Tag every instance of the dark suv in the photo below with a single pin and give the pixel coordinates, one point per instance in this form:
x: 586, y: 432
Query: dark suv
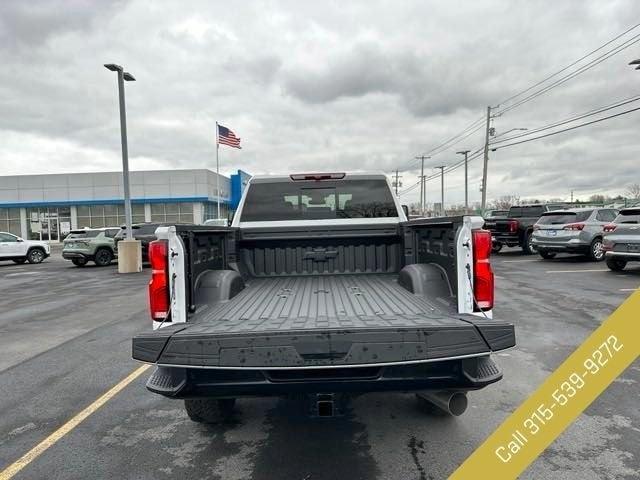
x: 145, y: 232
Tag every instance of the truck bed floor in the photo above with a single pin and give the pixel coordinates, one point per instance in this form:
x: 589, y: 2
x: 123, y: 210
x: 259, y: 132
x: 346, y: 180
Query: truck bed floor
x: 323, y: 302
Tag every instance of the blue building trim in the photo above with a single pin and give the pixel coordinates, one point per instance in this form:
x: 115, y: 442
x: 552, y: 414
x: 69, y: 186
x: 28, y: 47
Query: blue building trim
x: 238, y: 183
x: 108, y: 201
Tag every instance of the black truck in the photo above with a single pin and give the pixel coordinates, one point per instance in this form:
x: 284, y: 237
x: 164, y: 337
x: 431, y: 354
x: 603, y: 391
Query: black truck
x: 515, y: 230
x: 321, y: 289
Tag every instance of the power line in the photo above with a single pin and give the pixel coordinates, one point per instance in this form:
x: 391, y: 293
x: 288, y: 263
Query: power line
x: 573, y: 118
x: 626, y: 44
x: 569, y: 66
x: 567, y: 129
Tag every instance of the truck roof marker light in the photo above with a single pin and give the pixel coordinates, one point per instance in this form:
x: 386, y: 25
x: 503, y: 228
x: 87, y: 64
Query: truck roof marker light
x: 483, y: 281
x: 296, y: 177
x: 159, y: 283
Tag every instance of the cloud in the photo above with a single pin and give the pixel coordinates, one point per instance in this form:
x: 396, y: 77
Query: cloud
x: 362, y: 85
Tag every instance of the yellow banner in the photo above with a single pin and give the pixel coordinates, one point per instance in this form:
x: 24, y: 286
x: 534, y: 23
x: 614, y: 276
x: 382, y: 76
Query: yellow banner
x: 563, y: 396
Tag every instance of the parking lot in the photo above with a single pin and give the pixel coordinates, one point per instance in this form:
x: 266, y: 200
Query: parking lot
x: 65, y: 340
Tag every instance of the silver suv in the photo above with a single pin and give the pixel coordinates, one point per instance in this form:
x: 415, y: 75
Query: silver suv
x: 577, y: 230
x: 622, y: 239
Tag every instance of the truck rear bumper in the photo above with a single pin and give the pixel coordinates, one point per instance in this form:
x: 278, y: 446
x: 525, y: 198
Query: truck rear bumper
x: 462, y: 374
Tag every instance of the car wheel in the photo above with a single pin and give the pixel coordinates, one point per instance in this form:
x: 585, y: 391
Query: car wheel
x: 35, y: 255
x: 209, y: 410
x: 528, y: 247
x: 19, y: 261
x: 496, y: 247
x: 546, y: 255
x: 79, y: 262
x: 103, y: 257
x: 596, y: 251
x: 616, y: 265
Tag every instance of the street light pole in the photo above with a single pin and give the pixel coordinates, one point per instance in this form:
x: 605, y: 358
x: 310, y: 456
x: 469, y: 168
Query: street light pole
x: 129, y: 253
x: 486, y: 160
x: 466, y: 179
x: 122, y: 76
x: 441, y: 167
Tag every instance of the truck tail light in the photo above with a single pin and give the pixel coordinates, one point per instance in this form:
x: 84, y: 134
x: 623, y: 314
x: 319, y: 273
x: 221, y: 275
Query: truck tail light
x: 574, y: 226
x: 483, y: 283
x: 610, y: 227
x: 513, y: 226
x: 159, y: 283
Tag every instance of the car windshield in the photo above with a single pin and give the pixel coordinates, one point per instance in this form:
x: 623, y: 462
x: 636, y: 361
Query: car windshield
x: 318, y: 200
x: 563, y: 218
x: 84, y: 234
x: 628, y: 216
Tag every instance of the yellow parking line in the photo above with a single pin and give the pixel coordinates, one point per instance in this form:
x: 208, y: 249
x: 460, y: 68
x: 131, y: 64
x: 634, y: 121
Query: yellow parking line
x: 39, y: 449
x: 575, y: 271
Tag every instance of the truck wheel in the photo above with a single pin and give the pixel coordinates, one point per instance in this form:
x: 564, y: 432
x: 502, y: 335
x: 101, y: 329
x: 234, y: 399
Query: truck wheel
x: 546, y: 255
x: 616, y: 265
x: 209, y: 410
x: 79, y: 262
x: 496, y: 247
x: 527, y: 245
x: 19, y: 261
x: 596, y: 252
x: 103, y: 257
x: 35, y: 255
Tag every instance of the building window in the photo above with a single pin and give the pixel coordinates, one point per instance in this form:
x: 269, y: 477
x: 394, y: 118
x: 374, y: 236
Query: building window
x: 211, y: 210
x: 109, y: 215
x: 10, y: 220
x: 172, y: 212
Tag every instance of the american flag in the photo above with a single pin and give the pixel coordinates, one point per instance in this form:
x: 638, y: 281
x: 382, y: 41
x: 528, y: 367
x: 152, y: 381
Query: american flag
x: 227, y: 137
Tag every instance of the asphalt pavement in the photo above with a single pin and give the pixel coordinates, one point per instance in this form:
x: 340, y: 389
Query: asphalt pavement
x: 65, y: 340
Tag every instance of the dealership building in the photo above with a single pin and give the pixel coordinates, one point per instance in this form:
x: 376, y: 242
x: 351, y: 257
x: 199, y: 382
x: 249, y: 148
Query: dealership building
x: 48, y: 206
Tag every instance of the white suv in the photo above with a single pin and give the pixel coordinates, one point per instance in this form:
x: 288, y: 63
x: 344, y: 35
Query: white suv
x: 20, y: 250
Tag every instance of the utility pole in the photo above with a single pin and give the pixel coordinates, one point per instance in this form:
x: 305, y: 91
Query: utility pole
x: 571, y: 196
x: 396, y: 183
x: 486, y: 160
x: 423, y: 190
x: 441, y: 167
x: 466, y: 179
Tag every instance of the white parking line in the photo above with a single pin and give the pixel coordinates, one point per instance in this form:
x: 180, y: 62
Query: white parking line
x: 21, y: 273
x: 628, y: 289
x: 575, y: 271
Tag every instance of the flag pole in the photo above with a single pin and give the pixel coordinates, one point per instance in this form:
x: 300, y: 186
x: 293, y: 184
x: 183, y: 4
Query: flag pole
x: 217, y: 169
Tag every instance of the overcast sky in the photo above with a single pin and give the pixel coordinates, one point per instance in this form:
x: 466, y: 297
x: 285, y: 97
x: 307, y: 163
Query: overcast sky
x: 308, y: 86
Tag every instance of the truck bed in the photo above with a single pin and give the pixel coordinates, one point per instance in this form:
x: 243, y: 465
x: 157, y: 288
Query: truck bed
x: 320, y: 321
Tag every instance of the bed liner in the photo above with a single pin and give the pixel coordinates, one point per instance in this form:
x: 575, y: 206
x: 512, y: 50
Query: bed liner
x: 323, y: 320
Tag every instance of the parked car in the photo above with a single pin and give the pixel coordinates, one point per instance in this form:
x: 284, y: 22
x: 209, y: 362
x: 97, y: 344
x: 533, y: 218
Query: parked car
x: 577, y: 230
x: 13, y: 247
x: 145, y: 232
x: 95, y: 245
x: 516, y: 229
x: 622, y: 239
x: 321, y: 289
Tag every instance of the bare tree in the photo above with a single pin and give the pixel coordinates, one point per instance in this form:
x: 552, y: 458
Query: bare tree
x: 506, y: 201
x: 633, y: 190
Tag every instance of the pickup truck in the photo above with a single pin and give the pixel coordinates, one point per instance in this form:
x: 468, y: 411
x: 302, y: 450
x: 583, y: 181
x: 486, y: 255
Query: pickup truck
x: 517, y: 228
x: 321, y: 289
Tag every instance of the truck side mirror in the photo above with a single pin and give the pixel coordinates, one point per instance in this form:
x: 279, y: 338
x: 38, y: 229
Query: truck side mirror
x: 405, y: 209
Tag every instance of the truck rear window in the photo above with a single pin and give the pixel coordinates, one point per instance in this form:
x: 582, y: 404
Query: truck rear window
x: 563, y: 218
x: 534, y: 211
x: 318, y: 200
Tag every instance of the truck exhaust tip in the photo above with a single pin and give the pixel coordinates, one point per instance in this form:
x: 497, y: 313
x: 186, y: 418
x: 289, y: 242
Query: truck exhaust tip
x: 453, y: 403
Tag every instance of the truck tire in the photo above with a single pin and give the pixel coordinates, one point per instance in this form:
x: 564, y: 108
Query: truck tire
x: 496, y: 247
x: 616, y: 265
x: 79, y: 262
x: 546, y: 255
x: 35, y: 255
x: 103, y: 257
x: 19, y: 261
x: 596, y: 252
x: 209, y: 410
x: 527, y: 246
